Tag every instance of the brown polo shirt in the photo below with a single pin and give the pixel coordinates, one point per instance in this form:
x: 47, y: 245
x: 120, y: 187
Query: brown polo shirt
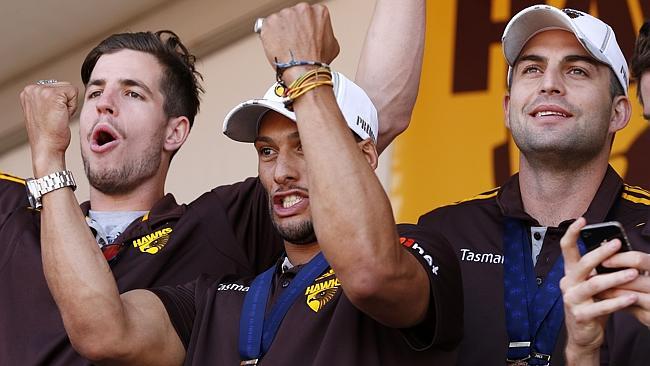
x: 218, y: 233
x: 331, y: 331
x: 474, y: 228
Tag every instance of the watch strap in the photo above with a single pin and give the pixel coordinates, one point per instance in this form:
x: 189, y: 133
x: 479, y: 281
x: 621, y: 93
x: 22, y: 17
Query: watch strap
x: 36, y: 188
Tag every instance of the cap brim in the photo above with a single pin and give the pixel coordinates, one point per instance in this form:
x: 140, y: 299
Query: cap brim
x: 242, y: 122
x: 528, y: 23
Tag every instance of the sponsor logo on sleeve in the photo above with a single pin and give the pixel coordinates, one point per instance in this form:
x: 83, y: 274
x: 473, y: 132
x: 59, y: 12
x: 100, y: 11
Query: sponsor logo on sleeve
x: 322, y: 291
x: 417, y: 248
x: 154, y: 242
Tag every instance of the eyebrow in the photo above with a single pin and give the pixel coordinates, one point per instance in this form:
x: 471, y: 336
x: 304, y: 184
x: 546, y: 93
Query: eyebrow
x: 123, y: 82
x: 569, y: 58
x: 293, y: 136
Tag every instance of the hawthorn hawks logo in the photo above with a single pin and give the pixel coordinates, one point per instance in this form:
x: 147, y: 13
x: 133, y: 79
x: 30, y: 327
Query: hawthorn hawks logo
x: 154, y: 242
x: 322, y: 291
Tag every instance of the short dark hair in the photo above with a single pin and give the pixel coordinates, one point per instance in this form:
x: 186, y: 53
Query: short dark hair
x: 641, y: 55
x: 179, y: 82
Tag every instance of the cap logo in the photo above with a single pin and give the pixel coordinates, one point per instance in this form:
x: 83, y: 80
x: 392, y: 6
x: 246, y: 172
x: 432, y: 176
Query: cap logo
x: 573, y: 13
x: 366, y: 127
x: 279, y: 90
x: 624, y: 74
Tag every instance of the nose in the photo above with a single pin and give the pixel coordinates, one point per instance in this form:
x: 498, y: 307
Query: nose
x: 552, y: 83
x: 106, y: 103
x: 287, y: 168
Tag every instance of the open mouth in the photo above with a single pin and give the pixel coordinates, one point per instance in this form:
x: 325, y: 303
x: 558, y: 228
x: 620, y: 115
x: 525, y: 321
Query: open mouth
x: 103, y: 138
x: 290, y: 202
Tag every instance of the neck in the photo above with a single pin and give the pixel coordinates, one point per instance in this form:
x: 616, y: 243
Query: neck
x: 553, y: 194
x: 301, y: 253
x: 142, y: 198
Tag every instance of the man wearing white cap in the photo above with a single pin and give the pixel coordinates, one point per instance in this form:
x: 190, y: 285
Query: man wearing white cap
x: 349, y: 290
x: 567, y: 97
x: 592, y: 302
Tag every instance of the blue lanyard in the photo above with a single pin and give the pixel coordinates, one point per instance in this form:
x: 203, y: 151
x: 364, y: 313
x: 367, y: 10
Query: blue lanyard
x: 534, y: 314
x: 256, y: 330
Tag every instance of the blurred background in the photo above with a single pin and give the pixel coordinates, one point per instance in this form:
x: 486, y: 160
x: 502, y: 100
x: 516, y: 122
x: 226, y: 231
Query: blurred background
x: 455, y: 147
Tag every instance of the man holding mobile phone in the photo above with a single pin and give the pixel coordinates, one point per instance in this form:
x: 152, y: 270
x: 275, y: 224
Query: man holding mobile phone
x: 567, y: 98
x: 592, y: 302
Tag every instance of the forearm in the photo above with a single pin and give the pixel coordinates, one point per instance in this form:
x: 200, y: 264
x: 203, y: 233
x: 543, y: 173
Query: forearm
x: 353, y: 218
x: 77, y: 273
x: 391, y: 63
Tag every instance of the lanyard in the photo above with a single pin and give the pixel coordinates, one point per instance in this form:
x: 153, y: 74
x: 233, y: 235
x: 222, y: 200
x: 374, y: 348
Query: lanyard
x: 534, y: 314
x: 256, y: 330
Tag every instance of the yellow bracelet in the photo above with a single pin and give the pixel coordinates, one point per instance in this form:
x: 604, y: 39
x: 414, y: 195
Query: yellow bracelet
x: 307, y: 82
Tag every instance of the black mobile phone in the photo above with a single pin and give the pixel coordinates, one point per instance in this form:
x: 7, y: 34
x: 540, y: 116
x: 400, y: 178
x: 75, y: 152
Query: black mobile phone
x: 597, y: 234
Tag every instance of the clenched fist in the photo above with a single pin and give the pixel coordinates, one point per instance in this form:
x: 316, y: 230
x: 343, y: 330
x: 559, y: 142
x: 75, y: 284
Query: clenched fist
x: 48, y: 109
x: 304, y: 31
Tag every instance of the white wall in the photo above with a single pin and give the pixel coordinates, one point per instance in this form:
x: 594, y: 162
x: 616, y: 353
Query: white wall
x: 232, y: 75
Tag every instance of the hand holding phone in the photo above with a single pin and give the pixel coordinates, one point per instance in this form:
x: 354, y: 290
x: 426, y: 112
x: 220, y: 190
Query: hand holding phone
x: 597, y: 234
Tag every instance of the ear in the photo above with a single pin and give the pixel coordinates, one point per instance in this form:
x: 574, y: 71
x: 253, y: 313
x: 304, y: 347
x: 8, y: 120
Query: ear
x: 178, y: 128
x: 621, y: 112
x: 506, y: 110
x: 369, y: 150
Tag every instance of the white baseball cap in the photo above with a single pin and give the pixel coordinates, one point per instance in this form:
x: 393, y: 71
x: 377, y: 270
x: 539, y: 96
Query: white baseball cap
x: 242, y: 122
x: 596, y: 36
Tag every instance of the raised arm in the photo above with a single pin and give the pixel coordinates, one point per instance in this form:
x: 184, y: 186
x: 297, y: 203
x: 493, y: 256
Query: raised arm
x: 352, y: 216
x: 391, y: 63
x: 102, y: 326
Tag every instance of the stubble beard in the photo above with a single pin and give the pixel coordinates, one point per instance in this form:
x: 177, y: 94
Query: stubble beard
x: 128, y: 176
x: 573, y: 149
x: 300, y: 233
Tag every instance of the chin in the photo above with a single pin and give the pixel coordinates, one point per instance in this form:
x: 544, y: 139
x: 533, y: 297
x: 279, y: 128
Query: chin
x: 297, y: 232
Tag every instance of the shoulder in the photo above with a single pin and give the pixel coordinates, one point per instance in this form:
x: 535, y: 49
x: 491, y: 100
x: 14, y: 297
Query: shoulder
x: 635, y: 195
x: 12, y: 192
x: 10, y: 183
x: 242, y: 188
x: 484, y: 203
x: 632, y: 205
x: 11, y: 179
x: 233, y: 196
x: 429, y: 246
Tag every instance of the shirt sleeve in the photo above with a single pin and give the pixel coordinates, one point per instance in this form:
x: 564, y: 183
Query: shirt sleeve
x: 443, y: 325
x: 180, y: 303
x: 246, y: 205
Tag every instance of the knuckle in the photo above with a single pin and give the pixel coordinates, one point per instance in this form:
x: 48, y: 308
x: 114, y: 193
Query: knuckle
x: 580, y: 315
x: 637, y: 259
x: 564, y: 284
x: 591, y: 287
